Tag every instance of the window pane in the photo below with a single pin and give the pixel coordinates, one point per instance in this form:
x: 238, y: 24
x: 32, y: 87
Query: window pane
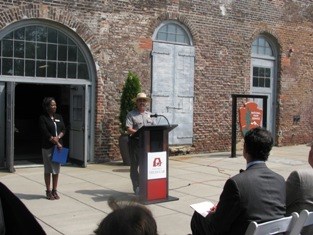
x: 31, y: 33
x: 7, y: 66
x: 82, y: 71
x: 171, y: 38
x: 7, y: 48
x: 19, y: 34
x: 255, y: 81
x: 8, y: 36
x: 30, y: 68
x: 52, y: 52
x: 181, y: 38
x: 19, y: 67
x: 261, y: 82
x: 261, y: 42
x: 62, y: 53
x: 62, y: 38
x: 70, y: 42
x: 71, y: 70
x: 80, y: 57
x: 268, y: 72
x: 51, y: 69
x: 41, y: 69
x: 52, y: 35
x: 42, y: 34
x: 255, y: 71
x: 171, y: 28
x: 72, y: 53
x: 41, y: 51
x: 161, y: 36
x: 30, y: 50
x: 163, y: 29
x: 62, y: 70
x: 19, y: 49
x: 268, y: 51
x: 261, y: 72
x: 267, y: 82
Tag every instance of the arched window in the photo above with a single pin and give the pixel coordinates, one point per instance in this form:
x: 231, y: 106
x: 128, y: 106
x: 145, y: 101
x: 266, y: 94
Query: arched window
x: 172, y: 32
x: 261, y: 46
x: 41, y: 51
x: 262, y: 75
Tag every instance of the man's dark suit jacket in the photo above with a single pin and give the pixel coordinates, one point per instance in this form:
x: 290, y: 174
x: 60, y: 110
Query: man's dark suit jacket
x: 257, y: 194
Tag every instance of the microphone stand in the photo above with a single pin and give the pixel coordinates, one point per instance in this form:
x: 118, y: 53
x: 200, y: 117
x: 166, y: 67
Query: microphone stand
x: 159, y: 115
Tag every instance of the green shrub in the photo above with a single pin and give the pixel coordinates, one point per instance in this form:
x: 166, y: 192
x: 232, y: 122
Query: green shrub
x: 131, y: 88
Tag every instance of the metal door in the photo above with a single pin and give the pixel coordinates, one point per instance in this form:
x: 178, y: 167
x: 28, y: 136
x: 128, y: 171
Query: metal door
x: 77, y: 124
x: 173, y: 88
x: 262, y: 83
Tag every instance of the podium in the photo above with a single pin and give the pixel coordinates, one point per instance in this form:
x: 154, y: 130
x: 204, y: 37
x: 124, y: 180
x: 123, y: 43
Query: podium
x: 153, y: 163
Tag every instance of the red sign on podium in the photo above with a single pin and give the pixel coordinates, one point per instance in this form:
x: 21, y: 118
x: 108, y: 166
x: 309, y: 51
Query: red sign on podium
x: 250, y: 116
x: 157, y: 175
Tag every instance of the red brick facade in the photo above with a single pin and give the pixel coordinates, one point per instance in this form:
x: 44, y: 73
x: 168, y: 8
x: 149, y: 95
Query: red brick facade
x: 119, y: 36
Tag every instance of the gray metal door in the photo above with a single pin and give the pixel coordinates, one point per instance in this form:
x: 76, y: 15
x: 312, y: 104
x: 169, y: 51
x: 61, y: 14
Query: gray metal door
x: 77, y: 124
x: 173, y: 88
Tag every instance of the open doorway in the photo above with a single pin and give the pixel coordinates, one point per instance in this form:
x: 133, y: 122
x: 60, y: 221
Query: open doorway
x: 28, y: 99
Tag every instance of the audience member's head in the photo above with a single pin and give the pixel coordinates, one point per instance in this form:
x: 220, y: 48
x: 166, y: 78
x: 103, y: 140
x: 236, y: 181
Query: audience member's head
x: 310, y: 158
x: 129, y: 219
x: 258, y: 144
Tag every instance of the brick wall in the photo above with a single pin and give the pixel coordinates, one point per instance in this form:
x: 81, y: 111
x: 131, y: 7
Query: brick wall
x: 119, y: 34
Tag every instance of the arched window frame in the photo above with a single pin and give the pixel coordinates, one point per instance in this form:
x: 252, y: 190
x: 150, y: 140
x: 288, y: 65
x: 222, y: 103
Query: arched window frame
x: 58, y: 27
x: 272, y: 46
x: 167, y: 22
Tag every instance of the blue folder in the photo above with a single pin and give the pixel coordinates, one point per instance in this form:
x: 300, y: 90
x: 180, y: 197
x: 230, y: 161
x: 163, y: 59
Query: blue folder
x: 60, y: 155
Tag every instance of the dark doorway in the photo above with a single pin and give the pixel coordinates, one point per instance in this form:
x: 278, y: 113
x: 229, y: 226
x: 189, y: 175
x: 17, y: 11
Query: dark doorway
x: 28, y: 108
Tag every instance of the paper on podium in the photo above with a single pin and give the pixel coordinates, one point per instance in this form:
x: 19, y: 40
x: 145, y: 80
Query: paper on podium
x: 203, y: 208
x: 60, y: 155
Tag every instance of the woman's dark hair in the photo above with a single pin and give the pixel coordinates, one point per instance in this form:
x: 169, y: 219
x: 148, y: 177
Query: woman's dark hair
x: 46, y: 103
x: 258, y: 143
x: 129, y: 219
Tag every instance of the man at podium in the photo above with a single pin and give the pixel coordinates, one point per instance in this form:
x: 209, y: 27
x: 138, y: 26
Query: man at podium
x: 136, y: 119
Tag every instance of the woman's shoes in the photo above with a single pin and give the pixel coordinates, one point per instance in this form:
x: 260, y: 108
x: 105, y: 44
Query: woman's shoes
x: 55, y: 194
x: 49, y: 195
x: 52, y: 195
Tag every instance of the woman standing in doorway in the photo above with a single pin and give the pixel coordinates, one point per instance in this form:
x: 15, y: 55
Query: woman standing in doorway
x: 52, y: 130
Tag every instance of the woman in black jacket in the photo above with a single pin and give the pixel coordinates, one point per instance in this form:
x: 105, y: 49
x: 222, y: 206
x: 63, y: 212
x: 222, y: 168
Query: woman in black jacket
x: 52, y: 130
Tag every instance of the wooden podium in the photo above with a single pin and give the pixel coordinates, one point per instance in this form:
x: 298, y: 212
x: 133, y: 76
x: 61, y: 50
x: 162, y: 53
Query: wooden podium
x: 153, y: 163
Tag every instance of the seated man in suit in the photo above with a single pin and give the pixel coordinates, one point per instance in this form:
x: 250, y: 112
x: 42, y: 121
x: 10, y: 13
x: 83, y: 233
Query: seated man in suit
x: 299, y: 191
x: 257, y: 194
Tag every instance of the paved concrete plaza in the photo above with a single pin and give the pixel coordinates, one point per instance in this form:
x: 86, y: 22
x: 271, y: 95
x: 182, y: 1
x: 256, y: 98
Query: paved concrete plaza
x: 84, y: 191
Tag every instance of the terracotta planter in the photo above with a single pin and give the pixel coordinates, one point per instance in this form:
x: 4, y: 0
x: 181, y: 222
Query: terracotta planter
x: 124, y: 150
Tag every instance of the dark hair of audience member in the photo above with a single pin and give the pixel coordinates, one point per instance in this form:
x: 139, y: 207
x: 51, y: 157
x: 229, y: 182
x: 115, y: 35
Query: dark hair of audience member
x: 258, y: 143
x: 127, y: 219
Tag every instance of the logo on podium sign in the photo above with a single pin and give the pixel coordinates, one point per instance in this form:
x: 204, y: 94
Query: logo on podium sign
x: 250, y: 116
x: 157, y: 163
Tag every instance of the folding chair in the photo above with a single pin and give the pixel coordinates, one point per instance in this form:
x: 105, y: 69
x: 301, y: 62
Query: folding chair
x: 305, y: 219
x: 282, y: 225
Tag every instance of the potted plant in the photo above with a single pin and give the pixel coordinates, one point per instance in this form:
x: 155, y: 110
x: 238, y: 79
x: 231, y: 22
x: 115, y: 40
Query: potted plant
x: 130, y: 90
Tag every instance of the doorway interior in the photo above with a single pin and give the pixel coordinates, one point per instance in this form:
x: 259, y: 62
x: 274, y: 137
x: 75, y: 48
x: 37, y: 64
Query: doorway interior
x: 28, y: 108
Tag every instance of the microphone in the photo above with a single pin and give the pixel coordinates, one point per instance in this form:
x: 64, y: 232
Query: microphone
x: 159, y: 115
